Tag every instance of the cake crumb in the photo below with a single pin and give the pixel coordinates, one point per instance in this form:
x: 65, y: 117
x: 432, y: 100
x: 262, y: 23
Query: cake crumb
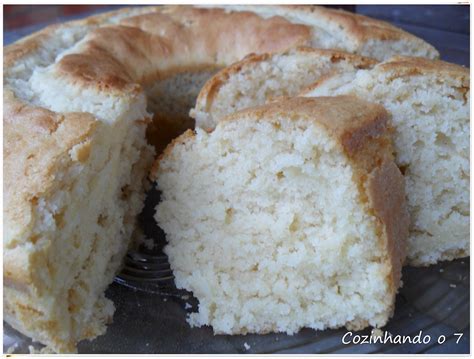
x: 441, y: 270
x: 187, y: 306
x: 246, y: 346
x: 452, y: 285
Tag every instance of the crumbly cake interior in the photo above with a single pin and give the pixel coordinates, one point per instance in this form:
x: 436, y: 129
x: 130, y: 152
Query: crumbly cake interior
x: 267, y: 228
x: 432, y: 152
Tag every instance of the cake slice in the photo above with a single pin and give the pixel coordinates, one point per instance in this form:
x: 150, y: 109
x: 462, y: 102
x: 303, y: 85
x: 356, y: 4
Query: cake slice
x: 286, y: 216
x: 260, y: 78
x: 429, y: 102
x: 75, y: 166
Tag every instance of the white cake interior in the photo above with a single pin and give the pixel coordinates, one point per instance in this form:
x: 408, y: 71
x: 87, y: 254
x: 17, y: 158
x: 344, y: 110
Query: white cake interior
x: 267, y: 228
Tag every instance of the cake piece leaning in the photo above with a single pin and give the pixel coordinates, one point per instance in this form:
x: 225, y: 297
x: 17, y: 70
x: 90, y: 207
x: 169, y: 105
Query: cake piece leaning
x: 429, y: 103
x: 286, y: 216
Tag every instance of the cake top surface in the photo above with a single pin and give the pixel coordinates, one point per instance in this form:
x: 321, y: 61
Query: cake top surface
x: 348, y: 118
x: 357, y: 31
x: 413, y: 66
x: 406, y: 66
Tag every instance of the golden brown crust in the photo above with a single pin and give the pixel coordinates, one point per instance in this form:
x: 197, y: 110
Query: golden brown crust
x: 355, y: 33
x: 386, y: 192
x: 350, y: 120
x: 180, y: 38
x: 401, y: 66
x: 31, y: 43
x: 24, y: 47
x: 406, y: 66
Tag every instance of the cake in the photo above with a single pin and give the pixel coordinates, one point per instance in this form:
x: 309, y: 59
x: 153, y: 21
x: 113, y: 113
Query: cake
x: 286, y: 216
x: 73, y: 185
x: 258, y: 79
x: 429, y: 102
x: 78, y: 99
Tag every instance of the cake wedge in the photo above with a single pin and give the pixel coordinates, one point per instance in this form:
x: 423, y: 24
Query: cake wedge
x: 286, y: 216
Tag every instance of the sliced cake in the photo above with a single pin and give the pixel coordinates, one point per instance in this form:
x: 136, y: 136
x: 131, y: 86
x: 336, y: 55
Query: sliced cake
x: 286, y: 216
x: 429, y: 102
